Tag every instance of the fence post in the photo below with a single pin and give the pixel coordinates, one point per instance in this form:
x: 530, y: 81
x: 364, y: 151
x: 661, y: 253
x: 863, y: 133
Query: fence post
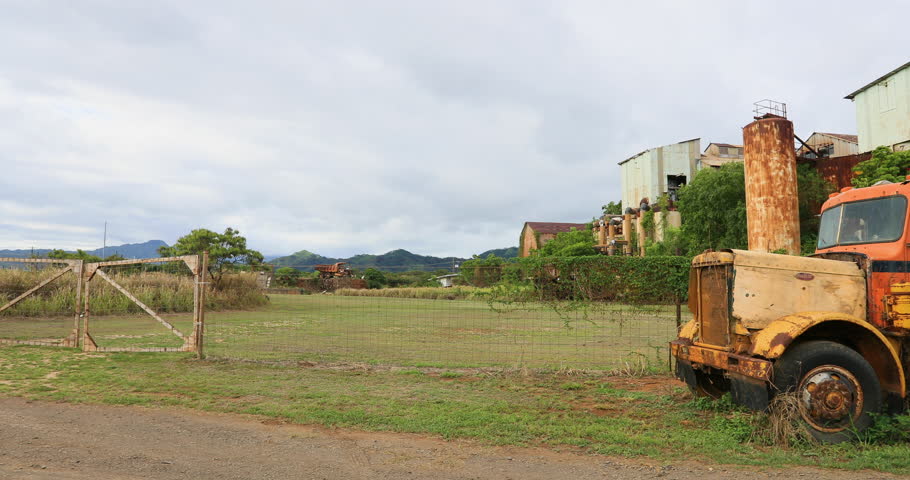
x: 201, y: 317
x: 678, y: 313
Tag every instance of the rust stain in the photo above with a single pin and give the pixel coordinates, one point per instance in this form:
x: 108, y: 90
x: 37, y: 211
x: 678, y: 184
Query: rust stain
x: 772, y: 206
x: 782, y: 339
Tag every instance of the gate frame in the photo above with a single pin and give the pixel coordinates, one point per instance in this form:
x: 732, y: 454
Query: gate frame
x: 75, y: 266
x: 191, y: 343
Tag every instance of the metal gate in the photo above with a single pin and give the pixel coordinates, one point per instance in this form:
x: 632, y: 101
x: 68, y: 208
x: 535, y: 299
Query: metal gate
x: 192, y: 342
x: 70, y: 266
x: 80, y: 294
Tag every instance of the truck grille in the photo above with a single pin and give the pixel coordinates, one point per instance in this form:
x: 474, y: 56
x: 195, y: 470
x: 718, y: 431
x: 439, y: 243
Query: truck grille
x: 714, y: 311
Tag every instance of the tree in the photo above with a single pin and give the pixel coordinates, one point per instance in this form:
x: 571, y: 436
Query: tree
x: 713, y: 208
x: 374, y: 278
x: 227, y: 250
x: 884, y: 165
x: 81, y: 255
x: 612, y: 208
x: 287, y: 276
x: 574, y: 243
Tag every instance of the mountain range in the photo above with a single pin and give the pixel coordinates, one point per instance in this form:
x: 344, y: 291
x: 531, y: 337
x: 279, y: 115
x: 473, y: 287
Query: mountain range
x: 394, y: 261
x: 147, y: 249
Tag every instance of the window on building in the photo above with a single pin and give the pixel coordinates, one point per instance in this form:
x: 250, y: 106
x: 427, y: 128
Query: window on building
x: 674, y: 183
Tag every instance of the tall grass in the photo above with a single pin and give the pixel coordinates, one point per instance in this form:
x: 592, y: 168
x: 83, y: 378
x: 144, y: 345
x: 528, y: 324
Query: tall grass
x: 425, y: 293
x: 163, y: 292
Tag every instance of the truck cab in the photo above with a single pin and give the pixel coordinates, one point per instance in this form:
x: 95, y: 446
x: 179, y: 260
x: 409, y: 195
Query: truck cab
x: 829, y: 329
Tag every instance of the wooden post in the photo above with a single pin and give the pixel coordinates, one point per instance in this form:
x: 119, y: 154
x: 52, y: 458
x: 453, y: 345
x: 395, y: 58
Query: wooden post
x: 77, y: 271
x: 200, y: 332
x: 602, y: 234
x: 611, y: 237
x: 627, y: 234
x: 642, y: 236
x: 88, y: 343
x: 678, y: 314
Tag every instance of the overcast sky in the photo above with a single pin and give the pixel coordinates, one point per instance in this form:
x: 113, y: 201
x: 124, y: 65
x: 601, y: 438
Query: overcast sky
x: 360, y: 127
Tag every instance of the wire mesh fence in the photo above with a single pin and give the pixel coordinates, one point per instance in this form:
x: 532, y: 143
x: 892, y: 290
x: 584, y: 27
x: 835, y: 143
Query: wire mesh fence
x: 528, y: 323
x: 462, y: 326
x: 101, y: 306
x: 38, y: 302
x: 139, y: 305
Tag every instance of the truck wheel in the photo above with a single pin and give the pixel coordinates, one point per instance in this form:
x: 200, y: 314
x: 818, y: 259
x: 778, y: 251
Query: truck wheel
x: 712, y: 385
x: 836, y: 388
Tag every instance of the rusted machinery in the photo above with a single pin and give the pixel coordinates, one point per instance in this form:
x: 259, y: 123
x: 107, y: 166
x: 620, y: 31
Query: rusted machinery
x: 832, y: 330
x: 334, y: 270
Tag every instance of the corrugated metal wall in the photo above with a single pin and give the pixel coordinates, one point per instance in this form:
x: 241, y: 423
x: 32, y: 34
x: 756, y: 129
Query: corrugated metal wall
x: 837, y: 170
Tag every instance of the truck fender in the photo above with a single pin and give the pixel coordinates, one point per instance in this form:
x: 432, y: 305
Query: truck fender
x: 881, y: 353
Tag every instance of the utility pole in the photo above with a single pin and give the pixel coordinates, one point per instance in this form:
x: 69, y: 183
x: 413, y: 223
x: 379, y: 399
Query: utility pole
x: 104, y: 245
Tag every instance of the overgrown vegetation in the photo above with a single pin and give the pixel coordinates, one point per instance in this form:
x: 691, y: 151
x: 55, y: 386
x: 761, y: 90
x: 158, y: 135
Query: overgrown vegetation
x: 647, y: 280
x: 163, y: 292
x: 884, y: 165
x: 713, y: 210
x: 569, y: 244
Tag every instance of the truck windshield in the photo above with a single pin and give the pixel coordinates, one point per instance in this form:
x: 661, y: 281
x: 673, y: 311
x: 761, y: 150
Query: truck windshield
x: 867, y: 221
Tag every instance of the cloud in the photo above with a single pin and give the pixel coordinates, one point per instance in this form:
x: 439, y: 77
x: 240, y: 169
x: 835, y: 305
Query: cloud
x: 350, y: 127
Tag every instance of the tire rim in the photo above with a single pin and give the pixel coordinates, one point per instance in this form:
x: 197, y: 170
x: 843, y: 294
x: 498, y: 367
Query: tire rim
x: 831, y: 398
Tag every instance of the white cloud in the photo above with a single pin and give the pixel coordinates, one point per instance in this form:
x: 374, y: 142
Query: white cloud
x: 350, y: 127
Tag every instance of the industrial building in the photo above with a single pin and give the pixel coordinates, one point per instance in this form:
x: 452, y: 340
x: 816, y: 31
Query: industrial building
x: 829, y: 145
x: 883, y: 111
x: 717, y: 154
x: 658, y: 171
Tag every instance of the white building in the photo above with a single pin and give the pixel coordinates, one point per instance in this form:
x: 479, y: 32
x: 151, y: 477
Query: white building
x: 883, y: 111
x: 446, y: 281
x: 658, y: 171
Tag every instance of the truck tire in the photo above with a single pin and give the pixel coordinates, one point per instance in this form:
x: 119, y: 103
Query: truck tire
x: 711, y: 385
x: 836, y: 388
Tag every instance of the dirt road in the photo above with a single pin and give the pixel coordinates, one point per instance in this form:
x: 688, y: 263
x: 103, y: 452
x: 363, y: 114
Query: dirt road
x: 61, y: 441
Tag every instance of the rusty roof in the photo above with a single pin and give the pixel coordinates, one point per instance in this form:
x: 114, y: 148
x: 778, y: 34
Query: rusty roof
x: 876, y: 81
x: 554, y: 227
x: 842, y: 136
x: 722, y: 145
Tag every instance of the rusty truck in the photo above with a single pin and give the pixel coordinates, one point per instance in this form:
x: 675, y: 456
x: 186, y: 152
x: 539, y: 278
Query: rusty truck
x: 830, y: 330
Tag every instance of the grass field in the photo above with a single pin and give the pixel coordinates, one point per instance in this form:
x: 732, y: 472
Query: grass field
x: 630, y: 416
x: 400, y: 331
x: 456, y: 333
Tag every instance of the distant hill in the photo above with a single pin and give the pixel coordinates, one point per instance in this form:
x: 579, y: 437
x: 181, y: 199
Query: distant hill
x: 394, y: 261
x: 510, y: 252
x: 148, y: 249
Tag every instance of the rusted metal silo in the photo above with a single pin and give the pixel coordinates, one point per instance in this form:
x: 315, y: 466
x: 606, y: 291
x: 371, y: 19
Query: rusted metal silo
x: 772, y: 206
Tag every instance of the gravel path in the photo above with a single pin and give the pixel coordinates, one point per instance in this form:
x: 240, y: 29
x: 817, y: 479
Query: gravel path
x: 63, y: 441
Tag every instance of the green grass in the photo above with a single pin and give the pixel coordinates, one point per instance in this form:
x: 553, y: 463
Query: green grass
x: 444, y: 333
x: 398, y: 331
x: 600, y: 414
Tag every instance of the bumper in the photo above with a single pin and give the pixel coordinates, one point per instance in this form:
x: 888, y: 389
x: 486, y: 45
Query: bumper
x: 749, y: 377
x: 729, y: 362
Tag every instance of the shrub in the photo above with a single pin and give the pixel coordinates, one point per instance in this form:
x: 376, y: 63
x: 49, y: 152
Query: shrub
x: 628, y: 279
